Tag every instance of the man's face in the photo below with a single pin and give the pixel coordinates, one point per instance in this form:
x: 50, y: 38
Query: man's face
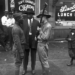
x: 72, y: 33
x: 43, y: 19
x: 10, y: 16
x: 30, y: 16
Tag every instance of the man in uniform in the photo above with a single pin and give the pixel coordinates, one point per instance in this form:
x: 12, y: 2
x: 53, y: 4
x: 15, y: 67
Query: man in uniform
x: 18, y: 43
x: 43, y: 39
x: 71, y: 45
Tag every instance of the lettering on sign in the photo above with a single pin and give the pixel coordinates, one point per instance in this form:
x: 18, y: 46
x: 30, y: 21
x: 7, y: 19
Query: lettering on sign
x: 31, y: 2
x: 25, y: 7
x: 22, y: 1
x: 65, y: 8
x: 65, y: 14
x: 12, y: 4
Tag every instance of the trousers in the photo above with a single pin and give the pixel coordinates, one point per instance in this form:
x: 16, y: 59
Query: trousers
x: 43, y: 55
x: 26, y: 58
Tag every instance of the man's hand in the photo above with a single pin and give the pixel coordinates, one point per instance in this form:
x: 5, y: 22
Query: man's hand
x: 38, y: 28
x: 35, y: 38
x: 69, y: 39
x: 39, y: 37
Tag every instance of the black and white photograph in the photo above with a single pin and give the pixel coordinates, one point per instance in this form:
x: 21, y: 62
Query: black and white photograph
x: 37, y: 37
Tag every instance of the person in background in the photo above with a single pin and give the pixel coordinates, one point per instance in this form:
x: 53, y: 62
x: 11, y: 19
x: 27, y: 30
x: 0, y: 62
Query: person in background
x: 18, y: 43
x: 10, y: 22
x: 7, y: 20
x: 29, y: 27
x: 5, y: 29
x: 71, y: 45
x: 2, y: 36
x: 4, y: 18
x: 43, y: 40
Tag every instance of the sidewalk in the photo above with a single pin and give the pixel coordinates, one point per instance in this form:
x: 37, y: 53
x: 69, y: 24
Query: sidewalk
x: 58, y: 60
x: 9, y: 69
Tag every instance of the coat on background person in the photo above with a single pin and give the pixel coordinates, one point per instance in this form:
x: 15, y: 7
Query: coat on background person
x: 71, y: 45
x: 4, y: 27
x: 7, y: 20
x: 10, y: 22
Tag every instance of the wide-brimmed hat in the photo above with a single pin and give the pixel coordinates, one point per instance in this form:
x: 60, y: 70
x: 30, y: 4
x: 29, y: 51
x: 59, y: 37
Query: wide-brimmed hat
x: 45, y: 14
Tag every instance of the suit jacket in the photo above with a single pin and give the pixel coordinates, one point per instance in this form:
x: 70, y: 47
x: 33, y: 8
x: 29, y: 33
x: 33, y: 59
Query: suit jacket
x: 45, y: 32
x: 19, y: 40
x: 25, y: 28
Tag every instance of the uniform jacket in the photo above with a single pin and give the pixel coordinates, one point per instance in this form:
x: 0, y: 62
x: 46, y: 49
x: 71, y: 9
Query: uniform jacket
x: 45, y: 32
x: 18, y: 39
x: 25, y: 28
x: 71, y: 43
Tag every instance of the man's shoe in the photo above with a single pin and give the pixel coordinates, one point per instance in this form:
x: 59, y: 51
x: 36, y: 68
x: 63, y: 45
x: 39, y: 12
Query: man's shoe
x: 43, y: 73
x: 69, y: 64
x: 33, y: 72
x: 24, y: 72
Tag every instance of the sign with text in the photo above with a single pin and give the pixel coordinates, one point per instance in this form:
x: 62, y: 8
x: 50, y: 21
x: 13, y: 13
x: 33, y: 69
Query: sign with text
x: 12, y: 3
x: 23, y: 5
x: 65, y: 12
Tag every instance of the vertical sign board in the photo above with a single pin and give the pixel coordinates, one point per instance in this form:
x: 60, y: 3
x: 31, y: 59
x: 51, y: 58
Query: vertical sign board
x: 65, y: 13
x: 22, y: 6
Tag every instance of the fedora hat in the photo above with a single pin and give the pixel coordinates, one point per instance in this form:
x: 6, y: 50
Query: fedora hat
x: 45, y: 14
x: 29, y: 11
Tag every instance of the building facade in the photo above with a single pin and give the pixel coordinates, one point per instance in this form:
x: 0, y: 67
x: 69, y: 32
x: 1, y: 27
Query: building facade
x: 39, y: 4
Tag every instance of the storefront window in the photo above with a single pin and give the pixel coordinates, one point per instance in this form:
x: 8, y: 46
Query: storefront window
x: 65, y: 14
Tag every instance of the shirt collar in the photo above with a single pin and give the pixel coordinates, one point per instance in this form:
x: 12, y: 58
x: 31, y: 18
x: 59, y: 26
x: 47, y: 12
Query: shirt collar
x: 31, y: 20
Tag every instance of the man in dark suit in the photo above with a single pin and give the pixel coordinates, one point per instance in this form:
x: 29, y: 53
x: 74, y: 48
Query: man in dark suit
x: 30, y: 26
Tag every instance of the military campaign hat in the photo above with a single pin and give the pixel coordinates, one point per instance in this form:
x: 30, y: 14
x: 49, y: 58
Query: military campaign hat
x: 45, y: 14
x: 17, y: 16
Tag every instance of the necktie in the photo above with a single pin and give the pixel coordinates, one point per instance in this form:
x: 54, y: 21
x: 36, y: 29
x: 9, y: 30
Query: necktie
x: 30, y: 33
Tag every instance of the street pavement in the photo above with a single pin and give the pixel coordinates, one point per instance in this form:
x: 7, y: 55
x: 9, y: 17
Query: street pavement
x: 58, y: 60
